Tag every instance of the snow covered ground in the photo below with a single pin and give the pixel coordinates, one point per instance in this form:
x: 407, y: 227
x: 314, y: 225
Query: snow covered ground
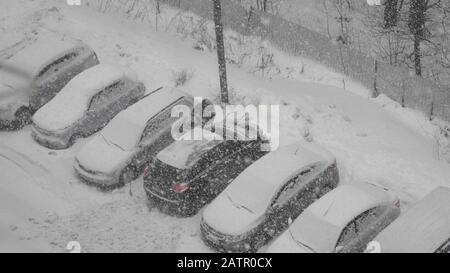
x: 43, y: 206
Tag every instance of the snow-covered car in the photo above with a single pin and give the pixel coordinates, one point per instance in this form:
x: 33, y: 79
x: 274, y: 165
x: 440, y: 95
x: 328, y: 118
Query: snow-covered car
x: 189, y: 174
x: 424, y: 228
x: 85, y: 105
x: 119, y: 153
x: 33, y: 72
x: 260, y: 202
x: 344, y: 220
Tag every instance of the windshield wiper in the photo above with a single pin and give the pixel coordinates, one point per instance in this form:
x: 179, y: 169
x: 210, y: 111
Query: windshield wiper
x: 112, y: 143
x: 240, y: 206
x: 300, y: 243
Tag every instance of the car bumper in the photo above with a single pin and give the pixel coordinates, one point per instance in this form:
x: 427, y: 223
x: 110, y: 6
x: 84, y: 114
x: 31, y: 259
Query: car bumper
x: 101, y: 180
x: 54, y: 142
x: 227, y: 243
x: 171, y: 207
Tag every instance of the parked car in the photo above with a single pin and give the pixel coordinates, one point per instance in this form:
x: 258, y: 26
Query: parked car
x: 119, y: 153
x: 344, y: 220
x: 189, y: 174
x: 258, y: 204
x: 86, y: 105
x: 33, y: 72
x: 424, y: 228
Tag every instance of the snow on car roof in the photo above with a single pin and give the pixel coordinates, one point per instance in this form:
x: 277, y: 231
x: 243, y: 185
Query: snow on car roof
x: 143, y: 110
x: 256, y: 186
x: 183, y: 154
x: 39, y: 52
x: 72, y: 101
x: 320, y: 225
x: 423, y: 228
x: 126, y: 128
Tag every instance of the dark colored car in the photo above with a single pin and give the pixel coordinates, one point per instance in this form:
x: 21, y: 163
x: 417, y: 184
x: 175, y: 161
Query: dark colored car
x: 263, y: 199
x: 187, y: 175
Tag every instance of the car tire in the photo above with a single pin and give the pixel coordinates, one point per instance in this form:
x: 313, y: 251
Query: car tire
x: 23, y: 117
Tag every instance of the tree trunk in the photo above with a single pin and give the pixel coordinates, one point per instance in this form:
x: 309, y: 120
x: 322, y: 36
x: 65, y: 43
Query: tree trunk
x: 417, y: 55
x: 221, y: 51
x: 416, y: 24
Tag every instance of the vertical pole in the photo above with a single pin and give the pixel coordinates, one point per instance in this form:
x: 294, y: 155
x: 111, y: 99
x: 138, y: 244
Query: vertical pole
x: 221, y: 51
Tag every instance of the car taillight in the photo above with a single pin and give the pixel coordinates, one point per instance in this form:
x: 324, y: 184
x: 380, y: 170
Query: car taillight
x: 147, y: 171
x: 397, y: 203
x: 180, y: 187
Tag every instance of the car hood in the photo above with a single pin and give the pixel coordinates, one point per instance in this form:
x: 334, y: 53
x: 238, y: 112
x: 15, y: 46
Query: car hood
x: 102, y: 156
x: 285, y: 243
x: 6, y: 91
x: 230, y: 218
x: 11, y: 83
x: 58, y: 115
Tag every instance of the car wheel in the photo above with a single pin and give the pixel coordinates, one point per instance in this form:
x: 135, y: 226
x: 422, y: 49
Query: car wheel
x: 23, y: 116
x: 128, y: 175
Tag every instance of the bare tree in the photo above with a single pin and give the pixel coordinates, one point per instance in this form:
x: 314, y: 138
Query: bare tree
x: 221, y: 51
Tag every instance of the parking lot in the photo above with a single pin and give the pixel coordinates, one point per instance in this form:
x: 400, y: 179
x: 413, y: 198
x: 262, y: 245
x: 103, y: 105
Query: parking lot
x: 373, y: 140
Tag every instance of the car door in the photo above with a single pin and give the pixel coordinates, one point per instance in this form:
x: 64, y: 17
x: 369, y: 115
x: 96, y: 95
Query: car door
x: 228, y: 161
x: 302, y: 188
x: 52, y: 78
x: 294, y: 196
x: 101, y: 108
x: 125, y: 94
x: 348, y: 235
x: 364, y: 228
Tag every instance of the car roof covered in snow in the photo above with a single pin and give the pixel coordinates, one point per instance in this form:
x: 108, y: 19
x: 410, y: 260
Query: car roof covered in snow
x: 321, y: 224
x: 71, y: 103
x: 253, y: 190
x: 183, y: 154
x: 423, y: 228
x: 126, y: 128
x: 37, y: 53
x: 155, y: 102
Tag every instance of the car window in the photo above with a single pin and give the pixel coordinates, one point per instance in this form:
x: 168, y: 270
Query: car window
x: 222, y: 154
x: 357, y: 225
x: 107, y: 95
x: 347, y: 235
x: 55, y: 65
x: 367, y: 218
x: 289, y: 189
x: 162, y: 120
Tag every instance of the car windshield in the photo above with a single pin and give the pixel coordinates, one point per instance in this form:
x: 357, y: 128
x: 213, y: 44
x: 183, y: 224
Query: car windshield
x: 123, y: 133
x: 309, y: 229
x: 244, y: 193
